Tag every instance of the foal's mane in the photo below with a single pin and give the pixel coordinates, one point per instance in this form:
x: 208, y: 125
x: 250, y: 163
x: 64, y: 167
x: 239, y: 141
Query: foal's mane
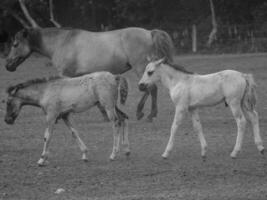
x: 28, y: 83
x: 178, y: 67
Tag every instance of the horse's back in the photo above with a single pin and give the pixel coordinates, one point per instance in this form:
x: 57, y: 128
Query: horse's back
x: 115, y: 51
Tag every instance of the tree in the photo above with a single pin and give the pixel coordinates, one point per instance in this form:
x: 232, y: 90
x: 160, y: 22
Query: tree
x: 212, y: 35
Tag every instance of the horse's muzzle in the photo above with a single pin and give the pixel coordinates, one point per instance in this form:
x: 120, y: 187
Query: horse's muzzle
x: 11, y: 65
x: 142, y: 87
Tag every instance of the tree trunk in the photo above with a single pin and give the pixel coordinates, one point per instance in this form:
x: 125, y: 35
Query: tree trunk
x: 212, y: 35
x: 194, y: 38
x: 51, y: 10
x: 16, y: 16
x: 27, y: 14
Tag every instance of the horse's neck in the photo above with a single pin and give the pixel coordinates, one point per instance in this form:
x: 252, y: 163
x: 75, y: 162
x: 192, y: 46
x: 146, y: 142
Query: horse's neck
x: 171, y: 77
x: 48, y: 42
x: 30, y: 95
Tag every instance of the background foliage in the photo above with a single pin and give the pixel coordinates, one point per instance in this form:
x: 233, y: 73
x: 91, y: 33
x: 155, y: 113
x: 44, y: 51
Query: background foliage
x: 242, y: 24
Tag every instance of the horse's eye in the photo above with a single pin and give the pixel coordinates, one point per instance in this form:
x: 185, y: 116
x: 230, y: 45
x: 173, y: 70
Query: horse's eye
x: 150, y: 73
x: 15, y: 44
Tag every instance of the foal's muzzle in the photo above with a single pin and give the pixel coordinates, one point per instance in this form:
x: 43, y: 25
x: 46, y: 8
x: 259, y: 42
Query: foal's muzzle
x: 142, y: 87
x: 9, y: 120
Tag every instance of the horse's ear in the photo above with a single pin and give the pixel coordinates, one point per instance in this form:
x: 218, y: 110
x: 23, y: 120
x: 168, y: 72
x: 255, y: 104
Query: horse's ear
x: 25, y: 33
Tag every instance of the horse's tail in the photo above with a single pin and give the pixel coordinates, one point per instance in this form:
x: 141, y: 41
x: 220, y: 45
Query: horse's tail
x: 250, y: 96
x: 162, y: 44
x: 123, y: 88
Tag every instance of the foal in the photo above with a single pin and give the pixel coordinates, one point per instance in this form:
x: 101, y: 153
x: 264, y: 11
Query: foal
x: 58, y: 97
x: 191, y: 91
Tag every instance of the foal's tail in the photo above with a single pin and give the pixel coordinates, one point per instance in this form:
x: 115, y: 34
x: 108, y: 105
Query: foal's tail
x: 250, y: 96
x: 162, y: 44
x: 123, y: 88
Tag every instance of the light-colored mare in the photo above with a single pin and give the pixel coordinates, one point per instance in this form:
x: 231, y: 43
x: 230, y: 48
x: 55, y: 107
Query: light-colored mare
x: 76, y: 52
x: 190, y: 91
x: 58, y: 97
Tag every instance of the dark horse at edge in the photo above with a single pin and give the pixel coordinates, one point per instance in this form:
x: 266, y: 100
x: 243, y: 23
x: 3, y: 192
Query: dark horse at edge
x: 76, y: 52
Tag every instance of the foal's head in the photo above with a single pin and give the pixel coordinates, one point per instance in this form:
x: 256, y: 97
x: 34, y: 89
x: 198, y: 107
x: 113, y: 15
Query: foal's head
x: 20, y: 49
x: 13, y: 105
x: 151, y: 74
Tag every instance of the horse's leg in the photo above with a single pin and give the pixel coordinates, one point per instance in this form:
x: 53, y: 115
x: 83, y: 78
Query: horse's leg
x: 154, y: 109
x: 75, y: 134
x: 179, y: 112
x: 254, y: 120
x: 241, y: 126
x: 140, y: 106
x: 198, y: 128
x: 47, y: 138
x: 103, y: 111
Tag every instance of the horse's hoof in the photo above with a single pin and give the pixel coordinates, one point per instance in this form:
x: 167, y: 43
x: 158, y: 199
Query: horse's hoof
x: 128, y: 153
x: 106, y: 119
x: 139, y: 115
x: 149, y: 119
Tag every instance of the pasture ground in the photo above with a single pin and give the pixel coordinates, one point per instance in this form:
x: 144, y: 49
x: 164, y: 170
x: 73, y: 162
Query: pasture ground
x: 144, y: 175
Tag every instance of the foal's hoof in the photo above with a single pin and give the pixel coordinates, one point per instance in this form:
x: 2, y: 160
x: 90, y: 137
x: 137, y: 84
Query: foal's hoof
x: 262, y: 152
x: 42, y: 162
x: 139, y: 115
x: 204, y: 158
x: 164, y: 157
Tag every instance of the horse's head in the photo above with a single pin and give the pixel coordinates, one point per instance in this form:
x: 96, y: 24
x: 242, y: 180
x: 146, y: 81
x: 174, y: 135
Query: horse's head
x: 151, y: 74
x: 13, y: 105
x: 20, y: 50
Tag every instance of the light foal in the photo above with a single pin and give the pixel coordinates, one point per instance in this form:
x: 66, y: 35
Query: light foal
x: 189, y: 92
x: 59, y: 97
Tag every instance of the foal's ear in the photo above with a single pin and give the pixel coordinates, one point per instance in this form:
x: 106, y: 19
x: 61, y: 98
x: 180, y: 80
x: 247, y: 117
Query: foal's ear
x: 160, y: 61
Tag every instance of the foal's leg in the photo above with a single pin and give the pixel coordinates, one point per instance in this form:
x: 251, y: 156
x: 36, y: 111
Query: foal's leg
x: 116, y: 139
x: 154, y: 110
x: 125, y: 139
x: 198, y: 128
x: 254, y: 119
x: 241, y: 126
x: 47, y: 138
x: 140, y: 106
x: 179, y: 112
x: 75, y: 134
x: 116, y: 131
x: 103, y: 111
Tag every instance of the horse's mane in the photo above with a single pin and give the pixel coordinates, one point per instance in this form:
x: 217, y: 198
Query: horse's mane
x: 179, y: 67
x: 28, y: 83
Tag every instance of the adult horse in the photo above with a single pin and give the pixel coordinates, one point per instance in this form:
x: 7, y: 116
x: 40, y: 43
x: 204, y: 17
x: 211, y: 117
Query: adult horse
x: 76, y: 52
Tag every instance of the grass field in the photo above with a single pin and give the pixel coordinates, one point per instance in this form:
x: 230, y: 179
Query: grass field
x: 144, y: 175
